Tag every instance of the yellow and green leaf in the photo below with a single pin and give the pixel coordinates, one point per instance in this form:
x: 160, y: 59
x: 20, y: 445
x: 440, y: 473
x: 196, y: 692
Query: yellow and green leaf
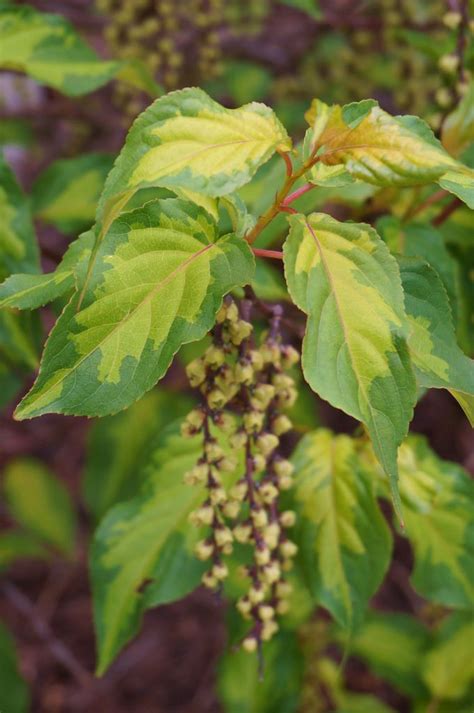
x: 448, y: 668
x: 344, y: 543
x: 188, y: 140
x: 458, y: 128
x: 354, y: 352
x: 437, y: 502
x: 159, y: 278
x: 438, y: 360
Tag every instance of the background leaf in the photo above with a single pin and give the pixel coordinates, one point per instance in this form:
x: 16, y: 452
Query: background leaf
x: 448, y: 669
x: 344, y: 543
x: 14, y: 696
x: 39, y: 502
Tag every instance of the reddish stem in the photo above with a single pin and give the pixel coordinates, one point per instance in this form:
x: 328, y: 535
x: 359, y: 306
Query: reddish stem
x: 446, y: 212
x: 296, y: 194
x: 286, y: 158
x: 274, y: 254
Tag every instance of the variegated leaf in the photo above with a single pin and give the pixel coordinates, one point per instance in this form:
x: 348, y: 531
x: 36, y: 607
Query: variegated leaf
x: 146, y: 539
x: 354, y: 352
x: 343, y: 540
x: 188, y: 140
x: 448, y: 669
x: 439, y: 361
x: 385, y: 150
x: 157, y: 283
x: 48, y: 49
x: 437, y: 501
x: 25, y: 291
x: 458, y: 128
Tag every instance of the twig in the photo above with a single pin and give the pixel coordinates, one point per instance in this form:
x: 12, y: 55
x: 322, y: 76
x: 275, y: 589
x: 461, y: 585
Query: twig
x: 274, y: 254
x: 446, y: 212
x: 42, y: 630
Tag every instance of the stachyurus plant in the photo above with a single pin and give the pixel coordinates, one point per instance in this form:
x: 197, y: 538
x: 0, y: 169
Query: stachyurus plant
x: 164, y: 265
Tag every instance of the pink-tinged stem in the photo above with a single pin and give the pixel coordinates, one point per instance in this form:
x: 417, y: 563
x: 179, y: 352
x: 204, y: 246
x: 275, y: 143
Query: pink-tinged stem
x: 299, y: 192
x: 274, y: 254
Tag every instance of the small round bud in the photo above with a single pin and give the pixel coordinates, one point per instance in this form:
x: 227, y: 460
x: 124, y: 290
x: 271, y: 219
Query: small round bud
x: 259, y: 517
x: 448, y: 63
x: 289, y: 356
x: 288, y: 518
x: 270, y: 353
x: 269, y: 629
x: 261, y: 396
x: 214, y: 356
x: 196, y: 418
x: 256, y: 595
x: 249, y: 644
x: 288, y: 549
x: 244, y: 606
x: 262, y: 556
x: 217, y: 496
x: 196, y: 372
x: 224, y: 378
x: 242, y: 533
x: 239, y: 331
x: 286, y: 398
x: 259, y: 462
x: 443, y: 97
x: 256, y: 359
x: 266, y: 443
x: 220, y: 571
x: 285, y: 482
x: 228, y: 548
x: 281, y: 424
x: 204, y: 550
x: 268, y: 492
x: 266, y: 612
x: 272, y: 573
x: 223, y: 535
x: 202, y: 516
x: 209, y: 581
x: 283, y: 381
x: 231, y: 509
x: 216, y: 399
x: 239, y: 490
x: 283, y: 467
x: 253, y: 421
x: 227, y: 464
x: 452, y: 20
x: 271, y: 535
x: 196, y: 475
x: 244, y: 373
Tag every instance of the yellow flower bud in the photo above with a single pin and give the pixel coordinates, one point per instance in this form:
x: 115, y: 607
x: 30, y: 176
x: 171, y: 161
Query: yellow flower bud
x: 225, y: 422
x: 196, y: 372
x: 214, y: 356
x: 266, y: 612
x: 262, y: 556
x: 242, y: 533
x: 223, y: 536
x: 253, y: 421
x: 271, y: 535
x: 213, y: 451
x: 270, y: 353
x: 281, y: 425
x: 239, y: 331
x: 249, y: 644
x: 282, y: 607
x: 268, y: 493
x: 238, y: 440
x: 209, y: 581
x: 202, y: 516
x: 289, y: 357
x: 227, y: 464
x: 282, y: 381
x: 256, y: 359
x: 286, y: 398
x: 452, y: 19
x: 256, y: 595
x: 448, y: 63
x: 288, y: 518
x: 203, y: 550
x: 244, y: 606
x: 269, y: 629
x: 232, y: 312
x: 220, y: 571
x: 272, y: 573
x: 231, y: 509
x: 217, y: 496
x: 259, y: 462
x: 244, y: 373
x: 259, y: 517
x: 283, y: 467
x: 216, y: 399
x: 261, y: 396
x: 443, y: 97
x: 288, y: 549
x: 196, y: 418
x: 266, y: 443
x: 283, y: 589
x: 227, y: 549
x: 196, y: 475
x: 239, y: 490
